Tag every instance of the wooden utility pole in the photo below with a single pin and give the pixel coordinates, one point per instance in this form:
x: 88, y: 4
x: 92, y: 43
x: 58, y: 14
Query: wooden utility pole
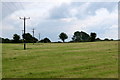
x: 39, y: 36
x: 22, y: 32
x: 22, y: 35
x: 24, y: 18
x: 33, y: 35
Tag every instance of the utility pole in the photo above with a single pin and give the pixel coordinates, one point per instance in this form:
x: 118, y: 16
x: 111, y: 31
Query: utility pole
x: 39, y: 36
x: 22, y: 32
x: 33, y: 35
x: 24, y: 18
x: 22, y: 35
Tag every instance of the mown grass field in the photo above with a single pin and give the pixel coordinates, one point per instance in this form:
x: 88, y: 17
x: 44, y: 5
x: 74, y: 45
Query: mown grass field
x: 61, y: 60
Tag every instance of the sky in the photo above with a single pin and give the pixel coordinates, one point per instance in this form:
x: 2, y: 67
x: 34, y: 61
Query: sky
x: 51, y: 18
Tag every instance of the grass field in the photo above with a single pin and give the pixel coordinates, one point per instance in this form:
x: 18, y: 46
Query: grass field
x: 61, y: 60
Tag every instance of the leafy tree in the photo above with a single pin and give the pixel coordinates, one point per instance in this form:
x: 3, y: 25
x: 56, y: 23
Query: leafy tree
x: 6, y: 40
x: 77, y: 36
x: 98, y: 39
x: 16, y: 38
x: 1, y: 40
x: 63, y: 36
x: 111, y: 39
x: 93, y: 36
x: 106, y: 39
x: 29, y: 39
x: 45, y: 40
x: 80, y: 37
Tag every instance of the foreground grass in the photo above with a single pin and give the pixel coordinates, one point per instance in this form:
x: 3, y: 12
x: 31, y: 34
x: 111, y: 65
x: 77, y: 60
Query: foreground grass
x: 61, y: 60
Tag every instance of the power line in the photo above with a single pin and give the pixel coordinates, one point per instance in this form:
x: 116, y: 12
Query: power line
x: 10, y: 9
x: 17, y: 6
x: 22, y: 7
x: 24, y: 18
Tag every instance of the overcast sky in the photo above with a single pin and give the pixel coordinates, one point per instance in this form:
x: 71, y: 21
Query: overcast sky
x: 51, y: 18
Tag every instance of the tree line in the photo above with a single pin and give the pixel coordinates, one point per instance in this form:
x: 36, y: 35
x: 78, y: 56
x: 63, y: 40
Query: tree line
x: 77, y: 37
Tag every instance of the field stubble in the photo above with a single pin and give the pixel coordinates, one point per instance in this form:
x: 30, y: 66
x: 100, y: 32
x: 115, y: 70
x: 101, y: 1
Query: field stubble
x: 61, y: 60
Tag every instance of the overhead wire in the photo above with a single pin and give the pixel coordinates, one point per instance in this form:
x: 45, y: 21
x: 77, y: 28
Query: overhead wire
x: 17, y: 7
x: 12, y: 7
x: 23, y: 8
x: 20, y: 3
x: 9, y: 8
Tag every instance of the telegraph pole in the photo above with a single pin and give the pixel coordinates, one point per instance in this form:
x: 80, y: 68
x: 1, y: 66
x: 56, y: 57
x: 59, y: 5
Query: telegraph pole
x: 24, y: 18
x: 22, y: 35
x: 39, y: 36
x: 33, y: 35
x: 22, y: 32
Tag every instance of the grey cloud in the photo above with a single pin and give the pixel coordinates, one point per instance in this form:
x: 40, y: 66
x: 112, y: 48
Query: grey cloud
x: 59, y: 12
x: 63, y: 11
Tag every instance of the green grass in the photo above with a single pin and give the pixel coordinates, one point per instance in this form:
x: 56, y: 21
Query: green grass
x: 61, y: 60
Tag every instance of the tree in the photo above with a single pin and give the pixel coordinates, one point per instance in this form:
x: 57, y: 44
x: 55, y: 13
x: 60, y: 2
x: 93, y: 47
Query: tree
x: 45, y: 40
x: 63, y: 36
x: 77, y: 36
x: 6, y: 40
x: 80, y: 37
x: 29, y: 39
x: 106, y: 39
x: 0, y: 40
x: 93, y: 36
x: 98, y: 39
x: 16, y: 38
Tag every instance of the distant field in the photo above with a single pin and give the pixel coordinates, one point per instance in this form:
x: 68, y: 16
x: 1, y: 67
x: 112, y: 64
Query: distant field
x: 61, y: 60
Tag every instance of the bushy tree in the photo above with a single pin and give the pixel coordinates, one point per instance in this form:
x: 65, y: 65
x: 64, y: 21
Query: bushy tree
x: 80, y: 37
x: 106, y: 39
x: 0, y: 40
x: 98, y: 39
x: 45, y: 40
x: 63, y: 36
x: 16, y: 38
x: 93, y: 36
x: 6, y: 40
x: 29, y: 39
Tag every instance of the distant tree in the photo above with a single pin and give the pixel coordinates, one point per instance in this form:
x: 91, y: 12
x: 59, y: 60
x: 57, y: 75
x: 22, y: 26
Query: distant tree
x: 16, y: 38
x: 35, y: 39
x: 93, y: 36
x: 45, y: 40
x: 111, y: 39
x: 106, y: 39
x: 80, y: 37
x: 6, y: 40
x: 77, y: 36
x: 0, y: 40
x: 98, y: 39
x: 63, y: 36
x: 29, y: 39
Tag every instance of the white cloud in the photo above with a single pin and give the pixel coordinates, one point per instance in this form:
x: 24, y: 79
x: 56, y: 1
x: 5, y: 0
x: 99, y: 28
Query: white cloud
x: 68, y: 19
x: 105, y: 21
